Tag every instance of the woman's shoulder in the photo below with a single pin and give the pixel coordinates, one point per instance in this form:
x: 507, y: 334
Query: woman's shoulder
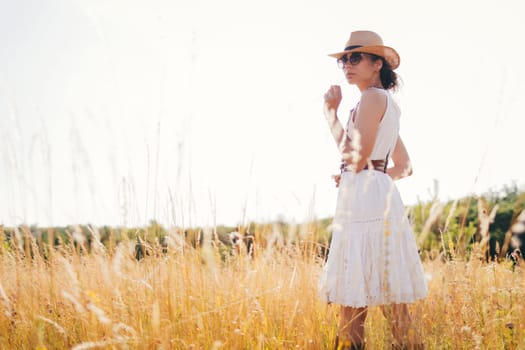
x: 373, y: 98
x: 374, y: 91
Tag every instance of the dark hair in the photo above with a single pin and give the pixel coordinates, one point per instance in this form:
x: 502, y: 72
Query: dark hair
x: 389, y: 78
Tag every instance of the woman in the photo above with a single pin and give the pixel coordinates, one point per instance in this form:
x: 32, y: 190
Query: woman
x: 373, y: 258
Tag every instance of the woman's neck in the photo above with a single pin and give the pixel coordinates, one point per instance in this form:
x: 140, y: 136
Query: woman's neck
x: 374, y: 83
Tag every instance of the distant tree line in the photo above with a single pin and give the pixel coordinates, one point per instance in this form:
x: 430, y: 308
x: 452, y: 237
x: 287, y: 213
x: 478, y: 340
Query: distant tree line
x: 445, y: 229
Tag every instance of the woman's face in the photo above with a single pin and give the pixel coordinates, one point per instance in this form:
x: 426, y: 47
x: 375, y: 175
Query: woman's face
x: 359, y: 67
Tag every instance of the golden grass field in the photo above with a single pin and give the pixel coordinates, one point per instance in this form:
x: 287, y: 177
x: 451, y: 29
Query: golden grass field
x: 192, y: 298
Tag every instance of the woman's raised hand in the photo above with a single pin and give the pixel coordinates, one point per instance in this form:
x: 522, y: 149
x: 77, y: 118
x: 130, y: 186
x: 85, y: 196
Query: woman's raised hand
x: 333, y: 97
x: 337, y: 179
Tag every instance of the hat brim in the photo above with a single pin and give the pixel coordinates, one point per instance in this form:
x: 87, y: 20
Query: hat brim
x: 388, y: 53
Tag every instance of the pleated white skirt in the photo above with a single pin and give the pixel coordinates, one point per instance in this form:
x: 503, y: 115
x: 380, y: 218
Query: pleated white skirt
x: 373, y: 258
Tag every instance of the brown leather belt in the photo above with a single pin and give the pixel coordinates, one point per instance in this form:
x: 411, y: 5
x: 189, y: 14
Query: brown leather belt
x: 376, y: 164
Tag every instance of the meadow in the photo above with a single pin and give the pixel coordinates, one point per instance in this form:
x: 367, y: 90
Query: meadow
x: 85, y: 294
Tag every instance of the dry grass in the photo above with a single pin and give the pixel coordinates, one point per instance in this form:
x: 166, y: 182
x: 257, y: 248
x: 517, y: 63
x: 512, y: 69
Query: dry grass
x: 195, y: 299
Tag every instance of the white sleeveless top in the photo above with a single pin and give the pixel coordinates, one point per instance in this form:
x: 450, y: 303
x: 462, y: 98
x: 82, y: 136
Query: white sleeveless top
x: 388, y: 129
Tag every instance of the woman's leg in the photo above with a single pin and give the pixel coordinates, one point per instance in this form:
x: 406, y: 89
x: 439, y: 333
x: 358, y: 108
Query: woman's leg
x: 352, y: 326
x: 402, y: 325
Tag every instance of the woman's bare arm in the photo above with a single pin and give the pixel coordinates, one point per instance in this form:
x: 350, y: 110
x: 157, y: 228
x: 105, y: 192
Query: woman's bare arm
x: 332, y: 99
x: 402, y: 165
x: 372, y: 106
x: 371, y: 109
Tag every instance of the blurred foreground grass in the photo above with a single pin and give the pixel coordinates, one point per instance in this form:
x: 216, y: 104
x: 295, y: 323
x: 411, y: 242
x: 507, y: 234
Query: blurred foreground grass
x: 212, y: 296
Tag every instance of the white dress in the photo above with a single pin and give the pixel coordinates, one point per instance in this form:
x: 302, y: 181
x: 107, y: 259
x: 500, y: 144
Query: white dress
x: 373, y: 258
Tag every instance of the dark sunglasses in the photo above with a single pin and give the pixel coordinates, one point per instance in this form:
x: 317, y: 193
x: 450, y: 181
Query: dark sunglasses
x: 353, y: 59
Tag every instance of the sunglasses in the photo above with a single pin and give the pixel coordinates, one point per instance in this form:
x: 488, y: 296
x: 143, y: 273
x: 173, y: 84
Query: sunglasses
x: 353, y: 59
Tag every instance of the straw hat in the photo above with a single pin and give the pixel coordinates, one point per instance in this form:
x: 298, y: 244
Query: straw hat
x: 369, y: 42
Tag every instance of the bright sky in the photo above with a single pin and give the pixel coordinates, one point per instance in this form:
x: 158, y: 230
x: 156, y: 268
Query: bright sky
x: 210, y: 112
